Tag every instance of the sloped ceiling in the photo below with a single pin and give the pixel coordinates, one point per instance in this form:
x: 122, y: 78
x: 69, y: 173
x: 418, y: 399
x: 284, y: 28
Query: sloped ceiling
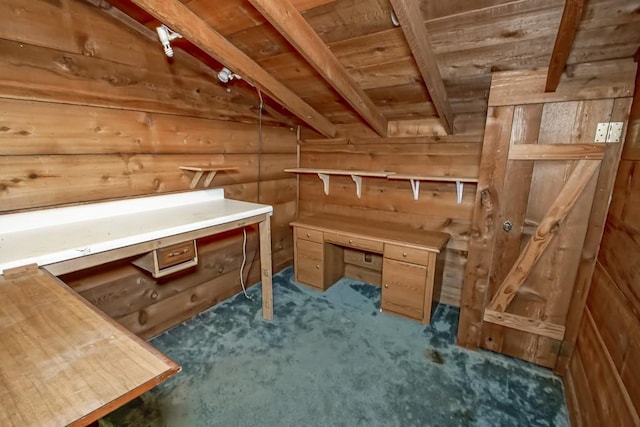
x: 370, y: 60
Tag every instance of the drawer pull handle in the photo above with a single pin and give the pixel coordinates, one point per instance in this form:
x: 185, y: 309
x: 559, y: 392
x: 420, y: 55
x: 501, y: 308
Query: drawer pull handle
x: 317, y: 266
x: 386, y: 286
x: 174, y: 254
x: 350, y: 241
x: 308, y: 235
x: 404, y: 254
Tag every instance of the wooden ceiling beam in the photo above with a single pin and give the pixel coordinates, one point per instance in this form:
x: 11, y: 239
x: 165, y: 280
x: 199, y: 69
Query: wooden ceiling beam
x: 410, y: 17
x: 181, y: 19
x: 571, y: 17
x: 284, y: 16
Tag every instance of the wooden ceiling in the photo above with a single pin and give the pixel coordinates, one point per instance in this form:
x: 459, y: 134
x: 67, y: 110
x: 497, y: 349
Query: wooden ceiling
x: 333, y: 65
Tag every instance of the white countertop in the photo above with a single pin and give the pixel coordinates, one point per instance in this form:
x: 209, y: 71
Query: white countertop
x: 53, y: 235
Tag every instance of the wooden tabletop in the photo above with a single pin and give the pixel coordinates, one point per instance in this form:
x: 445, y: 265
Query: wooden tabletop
x: 61, y: 360
x: 378, y: 230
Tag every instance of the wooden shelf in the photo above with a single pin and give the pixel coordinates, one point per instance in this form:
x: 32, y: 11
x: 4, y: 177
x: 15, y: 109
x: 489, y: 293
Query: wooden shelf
x: 211, y: 173
x: 356, y: 176
x: 415, y: 182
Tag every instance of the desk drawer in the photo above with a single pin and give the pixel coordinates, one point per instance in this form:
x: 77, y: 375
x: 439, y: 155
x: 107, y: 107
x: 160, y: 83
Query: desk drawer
x: 354, y: 242
x: 309, y: 263
x: 176, y: 254
x: 309, y: 234
x: 170, y: 259
x: 406, y: 254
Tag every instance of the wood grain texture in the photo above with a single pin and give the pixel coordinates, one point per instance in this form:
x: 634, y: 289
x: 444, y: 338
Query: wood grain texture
x: 412, y: 24
x: 283, y: 15
x: 483, y: 228
x: 612, y: 402
x: 436, y: 208
x: 92, y: 121
x: 605, y: 80
x: 516, y: 194
x: 580, y: 400
x: 498, y: 36
x: 524, y: 324
x: 553, y: 219
x: 39, y: 128
x: 37, y: 181
x: 606, y: 340
x: 571, y: 16
x: 553, y: 280
x: 183, y: 20
x: 593, y: 237
x: 557, y: 152
x: 81, y: 364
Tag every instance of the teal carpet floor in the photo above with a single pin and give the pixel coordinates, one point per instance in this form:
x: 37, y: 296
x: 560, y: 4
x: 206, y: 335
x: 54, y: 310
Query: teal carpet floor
x: 332, y: 359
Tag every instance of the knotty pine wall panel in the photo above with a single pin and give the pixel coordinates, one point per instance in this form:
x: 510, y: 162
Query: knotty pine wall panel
x: 392, y: 200
x: 28, y: 127
x: 92, y: 110
x: 603, y: 378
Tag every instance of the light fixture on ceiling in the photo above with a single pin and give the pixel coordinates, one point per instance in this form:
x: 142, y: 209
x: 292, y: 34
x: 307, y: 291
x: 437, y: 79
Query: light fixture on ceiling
x: 166, y: 34
x: 394, y: 19
x: 225, y: 75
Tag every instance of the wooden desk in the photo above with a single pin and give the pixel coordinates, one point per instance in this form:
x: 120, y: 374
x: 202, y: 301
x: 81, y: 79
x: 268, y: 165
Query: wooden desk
x: 410, y: 267
x: 64, y: 362
x: 77, y: 237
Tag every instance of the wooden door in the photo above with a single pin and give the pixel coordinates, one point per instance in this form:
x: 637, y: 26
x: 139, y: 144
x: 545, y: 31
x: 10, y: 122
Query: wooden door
x: 540, y: 210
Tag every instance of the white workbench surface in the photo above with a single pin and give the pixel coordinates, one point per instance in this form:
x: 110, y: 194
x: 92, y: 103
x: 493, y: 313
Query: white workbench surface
x: 53, y: 235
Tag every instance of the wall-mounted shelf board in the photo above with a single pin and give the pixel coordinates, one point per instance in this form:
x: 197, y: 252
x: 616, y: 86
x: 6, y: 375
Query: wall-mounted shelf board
x: 415, y: 182
x: 356, y: 176
x: 210, y: 170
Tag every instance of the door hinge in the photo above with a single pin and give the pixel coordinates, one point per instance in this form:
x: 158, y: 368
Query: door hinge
x: 609, y: 132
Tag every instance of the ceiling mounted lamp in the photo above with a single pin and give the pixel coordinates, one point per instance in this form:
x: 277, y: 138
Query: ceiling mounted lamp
x: 225, y: 75
x: 394, y: 19
x: 166, y: 34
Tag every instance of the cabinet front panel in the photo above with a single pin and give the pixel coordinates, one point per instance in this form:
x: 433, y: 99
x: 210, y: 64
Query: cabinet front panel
x: 309, y: 261
x: 403, y: 288
x: 403, y: 253
x: 309, y: 234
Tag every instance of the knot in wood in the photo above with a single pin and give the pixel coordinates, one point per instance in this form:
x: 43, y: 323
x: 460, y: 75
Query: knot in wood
x: 486, y: 199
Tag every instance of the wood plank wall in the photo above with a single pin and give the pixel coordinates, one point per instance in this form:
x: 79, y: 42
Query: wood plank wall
x: 603, y: 376
x: 91, y: 110
x: 392, y: 200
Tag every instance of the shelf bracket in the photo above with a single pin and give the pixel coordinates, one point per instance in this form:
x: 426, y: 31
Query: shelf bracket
x: 358, y: 180
x: 415, y: 187
x: 198, y: 175
x: 209, y: 178
x: 196, y: 178
x: 325, y: 180
x: 459, y: 188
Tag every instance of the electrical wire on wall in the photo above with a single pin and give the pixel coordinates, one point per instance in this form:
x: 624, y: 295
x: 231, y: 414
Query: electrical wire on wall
x: 244, y: 230
x: 260, y: 107
x: 244, y: 262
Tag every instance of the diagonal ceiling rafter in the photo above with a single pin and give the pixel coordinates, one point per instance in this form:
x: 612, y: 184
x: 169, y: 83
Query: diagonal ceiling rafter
x: 283, y: 15
x: 181, y: 19
x: 571, y: 16
x: 410, y: 18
